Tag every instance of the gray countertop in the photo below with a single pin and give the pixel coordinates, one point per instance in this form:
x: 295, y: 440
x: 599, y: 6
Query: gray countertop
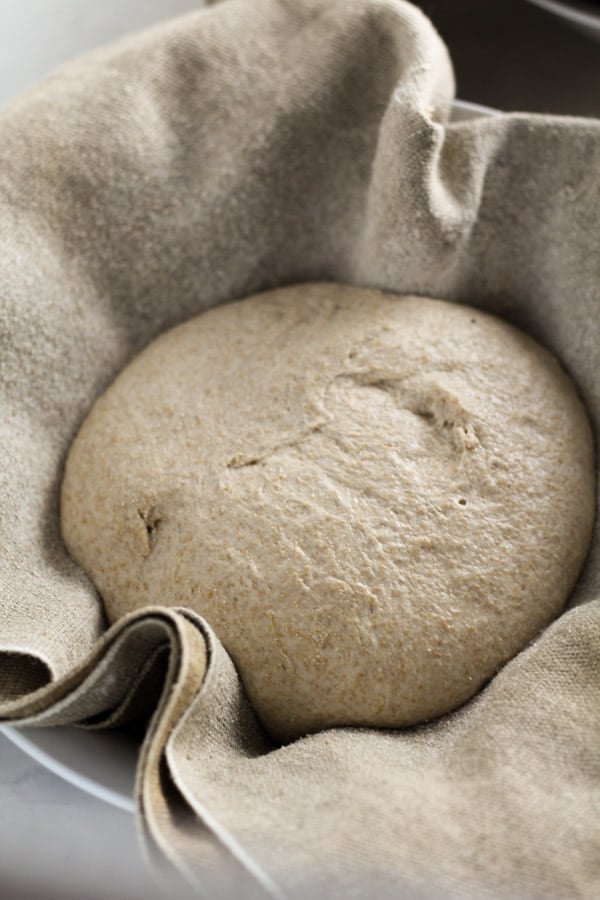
x: 58, y: 842
x: 55, y: 840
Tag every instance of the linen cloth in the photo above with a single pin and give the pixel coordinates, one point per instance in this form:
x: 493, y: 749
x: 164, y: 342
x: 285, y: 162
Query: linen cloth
x: 253, y: 144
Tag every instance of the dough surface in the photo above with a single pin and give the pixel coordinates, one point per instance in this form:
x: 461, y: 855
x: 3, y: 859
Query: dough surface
x: 375, y: 501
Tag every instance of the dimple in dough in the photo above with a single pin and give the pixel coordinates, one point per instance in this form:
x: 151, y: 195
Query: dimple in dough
x: 374, y: 500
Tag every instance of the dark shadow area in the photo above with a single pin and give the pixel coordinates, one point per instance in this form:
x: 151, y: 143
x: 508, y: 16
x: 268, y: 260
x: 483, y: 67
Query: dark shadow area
x: 514, y: 56
x: 20, y: 674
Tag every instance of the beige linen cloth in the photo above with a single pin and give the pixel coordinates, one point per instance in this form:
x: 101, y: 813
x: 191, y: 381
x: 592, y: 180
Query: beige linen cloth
x: 252, y: 144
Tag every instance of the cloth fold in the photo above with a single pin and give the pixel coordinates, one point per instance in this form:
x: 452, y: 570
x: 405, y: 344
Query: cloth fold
x: 249, y: 145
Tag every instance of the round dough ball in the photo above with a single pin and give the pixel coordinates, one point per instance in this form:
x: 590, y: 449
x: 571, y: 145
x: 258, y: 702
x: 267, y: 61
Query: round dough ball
x: 374, y: 500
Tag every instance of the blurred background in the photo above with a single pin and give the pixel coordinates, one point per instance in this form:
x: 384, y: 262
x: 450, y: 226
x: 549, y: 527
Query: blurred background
x: 509, y: 54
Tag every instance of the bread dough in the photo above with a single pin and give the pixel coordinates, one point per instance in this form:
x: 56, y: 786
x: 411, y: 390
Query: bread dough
x: 375, y: 501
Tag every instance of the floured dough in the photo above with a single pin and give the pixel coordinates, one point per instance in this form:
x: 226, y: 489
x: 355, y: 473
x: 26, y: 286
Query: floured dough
x: 374, y: 500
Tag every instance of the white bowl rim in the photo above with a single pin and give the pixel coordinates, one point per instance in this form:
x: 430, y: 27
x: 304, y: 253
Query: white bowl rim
x: 31, y: 742
x: 579, y: 16
x: 477, y: 109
